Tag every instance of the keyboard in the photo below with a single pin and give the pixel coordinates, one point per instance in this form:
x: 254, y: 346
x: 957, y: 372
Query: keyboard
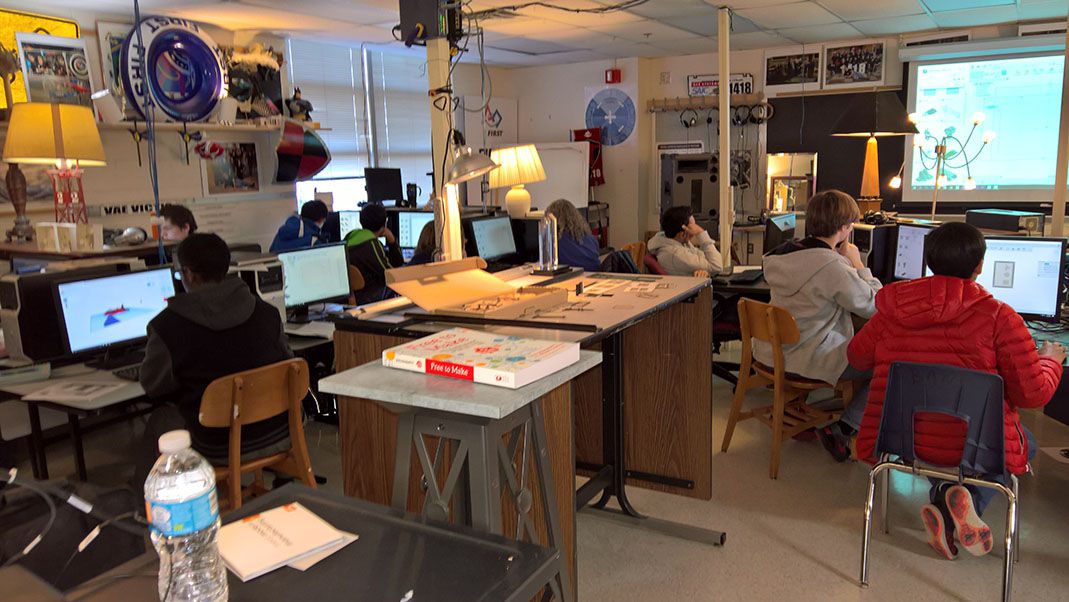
x: 746, y: 276
x: 129, y: 373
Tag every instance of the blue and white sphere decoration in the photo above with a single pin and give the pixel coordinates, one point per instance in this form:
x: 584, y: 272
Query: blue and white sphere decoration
x: 613, y: 111
x: 185, y: 69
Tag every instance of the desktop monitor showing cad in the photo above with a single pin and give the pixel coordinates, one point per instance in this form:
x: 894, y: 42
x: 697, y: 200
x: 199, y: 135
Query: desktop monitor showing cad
x: 493, y: 237
x: 314, y: 275
x: 110, y: 310
x: 778, y: 230
x: 909, y: 253
x: 410, y: 225
x: 382, y: 184
x: 347, y: 222
x: 1024, y: 273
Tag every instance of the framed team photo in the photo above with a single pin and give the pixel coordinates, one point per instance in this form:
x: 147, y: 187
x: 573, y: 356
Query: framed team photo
x: 858, y: 65
x: 55, y: 69
x: 794, y: 69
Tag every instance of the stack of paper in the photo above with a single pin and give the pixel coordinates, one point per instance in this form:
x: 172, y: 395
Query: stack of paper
x: 288, y: 535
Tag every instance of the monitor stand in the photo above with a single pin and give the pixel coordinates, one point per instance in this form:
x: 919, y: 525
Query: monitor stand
x: 113, y: 358
x: 301, y: 315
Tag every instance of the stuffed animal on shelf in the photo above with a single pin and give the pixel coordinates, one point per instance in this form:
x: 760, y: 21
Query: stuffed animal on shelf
x: 300, y: 109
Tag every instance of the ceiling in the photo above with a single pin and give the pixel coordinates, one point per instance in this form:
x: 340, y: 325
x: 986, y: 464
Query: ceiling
x: 541, y: 35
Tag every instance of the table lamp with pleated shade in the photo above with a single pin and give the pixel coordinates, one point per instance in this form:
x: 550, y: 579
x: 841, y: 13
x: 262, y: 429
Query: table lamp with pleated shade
x: 519, y: 165
x: 64, y: 136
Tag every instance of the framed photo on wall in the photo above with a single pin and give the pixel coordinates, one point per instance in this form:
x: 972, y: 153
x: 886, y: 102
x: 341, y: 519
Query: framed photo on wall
x: 235, y: 171
x: 793, y: 69
x: 55, y: 69
x: 110, y: 39
x: 856, y: 65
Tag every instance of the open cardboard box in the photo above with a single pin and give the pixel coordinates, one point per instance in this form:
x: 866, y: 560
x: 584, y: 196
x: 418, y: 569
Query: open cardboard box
x: 464, y: 288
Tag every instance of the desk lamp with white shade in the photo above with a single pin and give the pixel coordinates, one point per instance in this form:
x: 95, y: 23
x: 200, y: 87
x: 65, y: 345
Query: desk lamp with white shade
x: 63, y: 136
x: 519, y: 165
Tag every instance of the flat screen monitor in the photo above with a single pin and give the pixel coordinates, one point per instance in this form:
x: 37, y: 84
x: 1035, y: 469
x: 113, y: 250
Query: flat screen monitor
x: 110, y: 310
x: 382, y: 184
x: 347, y: 222
x: 779, y: 229
x: 314, y: 275
x: 909, y: 253
x: 1024, y: 273
x: 493, y: 237
x: 410, y: 225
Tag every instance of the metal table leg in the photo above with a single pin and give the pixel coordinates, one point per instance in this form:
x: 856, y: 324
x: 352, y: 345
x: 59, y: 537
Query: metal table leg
x: 37, y: 442
x: 79, y: 449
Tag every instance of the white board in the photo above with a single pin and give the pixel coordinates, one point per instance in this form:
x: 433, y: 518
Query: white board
x: 567, y: 167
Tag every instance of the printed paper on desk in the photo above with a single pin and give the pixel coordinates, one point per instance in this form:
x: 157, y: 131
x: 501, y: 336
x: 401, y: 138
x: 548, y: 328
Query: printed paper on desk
x: 305, y: 563
x: 74, y: 391
x: 261, y: 543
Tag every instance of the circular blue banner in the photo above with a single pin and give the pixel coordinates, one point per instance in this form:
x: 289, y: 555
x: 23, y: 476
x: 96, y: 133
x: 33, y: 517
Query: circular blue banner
x: 613, y: 111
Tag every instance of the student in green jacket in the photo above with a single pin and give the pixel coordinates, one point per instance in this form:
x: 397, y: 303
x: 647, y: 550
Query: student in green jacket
x: 367, y: 253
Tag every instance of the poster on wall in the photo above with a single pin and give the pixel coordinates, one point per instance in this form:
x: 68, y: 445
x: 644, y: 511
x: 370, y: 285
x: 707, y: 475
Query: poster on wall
x: 857, y: 65
x: 110, y: 38
x: 612, y: 110
x: 55, y: 69
x: 12, y: 21
x: 235, y: 170
x: 709, y: 85
x: 499, y: 120
x: 795, y: 69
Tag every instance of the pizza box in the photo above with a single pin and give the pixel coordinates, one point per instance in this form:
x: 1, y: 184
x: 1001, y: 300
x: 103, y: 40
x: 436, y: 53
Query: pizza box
x: 464, y: 288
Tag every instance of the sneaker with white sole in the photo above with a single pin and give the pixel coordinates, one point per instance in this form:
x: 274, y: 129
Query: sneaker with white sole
x: 938, y: 537
x: 972, y: 531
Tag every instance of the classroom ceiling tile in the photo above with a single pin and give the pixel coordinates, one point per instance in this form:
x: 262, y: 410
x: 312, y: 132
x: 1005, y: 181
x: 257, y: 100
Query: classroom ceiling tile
x: 630, y: 49
x: 976, y: 16
x: 895, y: 25
x: 853, y: 10
x: 948, y: 5
x: 798, y: 14
x: 739, y: 4
x: 707, y: 25
x: 529, y: 46
x: 665, y: 9
x: 340, y: 10
x: 695, y: 45
x: 820, y: 33
x: 521, y: 26
x: 757, y: 39
x: 580, y: 19
x: 645, y: 31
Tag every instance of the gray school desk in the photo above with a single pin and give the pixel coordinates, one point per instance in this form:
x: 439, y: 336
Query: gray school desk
x: 394, y: 555
x: 641, y: 418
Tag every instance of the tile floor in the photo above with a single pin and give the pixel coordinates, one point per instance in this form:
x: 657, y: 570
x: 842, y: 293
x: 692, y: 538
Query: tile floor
x: 796, y: 538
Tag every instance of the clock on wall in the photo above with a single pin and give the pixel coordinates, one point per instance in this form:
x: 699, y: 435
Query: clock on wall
x: 613, y: 111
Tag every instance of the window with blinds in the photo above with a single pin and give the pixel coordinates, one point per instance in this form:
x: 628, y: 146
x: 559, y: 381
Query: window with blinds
x: 399, y: 135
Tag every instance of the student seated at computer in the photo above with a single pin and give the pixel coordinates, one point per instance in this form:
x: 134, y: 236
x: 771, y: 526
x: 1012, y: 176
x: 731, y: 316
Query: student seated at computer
x: 424, y: 251
x: 822, y: 281
x: 576, y: 246
x: 301, y: 230
x: 682, y: 247
x: 176, y: 223
x: 217, y: 327
x: 948, y: 318
x: 370, y: 256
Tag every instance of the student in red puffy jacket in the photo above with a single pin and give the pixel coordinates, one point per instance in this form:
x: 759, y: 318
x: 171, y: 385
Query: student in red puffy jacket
x: 950, y: 319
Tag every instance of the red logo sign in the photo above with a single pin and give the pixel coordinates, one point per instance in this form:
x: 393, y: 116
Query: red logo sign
x: 451, y: 370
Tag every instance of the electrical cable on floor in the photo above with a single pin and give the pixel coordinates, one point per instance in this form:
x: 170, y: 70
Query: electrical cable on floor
x: 9, y: 477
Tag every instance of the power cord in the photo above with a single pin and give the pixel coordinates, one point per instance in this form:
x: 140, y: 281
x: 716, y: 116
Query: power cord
x: 9, y: 478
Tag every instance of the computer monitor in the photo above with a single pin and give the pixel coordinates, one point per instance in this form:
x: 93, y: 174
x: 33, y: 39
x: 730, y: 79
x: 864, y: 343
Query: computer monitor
x: 909, y: 252
x: 779, y: 229
x: 382, y: 184
x: 1025, y: 273
x: 493, y: 237
x: 347, y: 222
x: 410, y: 225
x: 102, y: 311
x: 314, y: 275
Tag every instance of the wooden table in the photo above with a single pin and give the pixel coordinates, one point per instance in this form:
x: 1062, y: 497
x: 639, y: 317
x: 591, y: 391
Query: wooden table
x: 11, y: 250
x: 656, y: 363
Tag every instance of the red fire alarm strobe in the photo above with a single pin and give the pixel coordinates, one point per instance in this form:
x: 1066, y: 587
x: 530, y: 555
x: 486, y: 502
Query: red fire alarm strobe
x: 612, y: 76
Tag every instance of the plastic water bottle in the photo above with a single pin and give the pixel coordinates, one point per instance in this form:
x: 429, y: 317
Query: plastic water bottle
x: 183, y: 510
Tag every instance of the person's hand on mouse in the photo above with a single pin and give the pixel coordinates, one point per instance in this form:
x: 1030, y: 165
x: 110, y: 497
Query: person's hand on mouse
x: 1053, y: 350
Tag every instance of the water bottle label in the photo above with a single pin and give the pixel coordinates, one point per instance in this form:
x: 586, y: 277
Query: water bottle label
x: 183, y: 518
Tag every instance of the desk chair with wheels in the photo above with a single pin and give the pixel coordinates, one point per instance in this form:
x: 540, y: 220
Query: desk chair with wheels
x: 789, y: 414
x: 920, y: 394
x: 251, y: 396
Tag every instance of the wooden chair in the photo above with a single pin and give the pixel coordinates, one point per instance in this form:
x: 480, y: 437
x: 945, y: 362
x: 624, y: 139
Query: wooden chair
x: 789, y: 414
x: 638, y: 251
x: 251, y: 396
x: 356, y: 283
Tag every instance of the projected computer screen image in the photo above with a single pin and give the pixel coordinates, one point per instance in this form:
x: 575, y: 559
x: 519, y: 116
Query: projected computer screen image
x: 314, y: 274
x: 410, y: 226
x: 348, y: 221
x: 1019, y: 101
x: 104, y: 311
x: 1025, y: 273
x: 909, y: 256
x: 493, y: 237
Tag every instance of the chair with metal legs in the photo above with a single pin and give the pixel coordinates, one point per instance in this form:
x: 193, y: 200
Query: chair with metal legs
x: 922, y: 392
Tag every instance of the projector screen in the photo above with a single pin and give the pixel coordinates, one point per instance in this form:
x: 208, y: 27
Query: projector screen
x: 1019, y: 98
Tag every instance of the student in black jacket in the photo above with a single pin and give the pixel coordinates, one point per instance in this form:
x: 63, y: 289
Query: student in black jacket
x: 218, y: 327
x: 368, y: 254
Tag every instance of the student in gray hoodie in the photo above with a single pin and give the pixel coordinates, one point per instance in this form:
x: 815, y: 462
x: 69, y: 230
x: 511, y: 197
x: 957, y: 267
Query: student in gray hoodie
x: 822, y: 281
x: 682, y: 247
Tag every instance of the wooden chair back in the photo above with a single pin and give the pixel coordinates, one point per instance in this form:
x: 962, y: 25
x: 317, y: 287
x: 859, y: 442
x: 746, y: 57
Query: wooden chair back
x: 768, y: 323
x: 638, y: 251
